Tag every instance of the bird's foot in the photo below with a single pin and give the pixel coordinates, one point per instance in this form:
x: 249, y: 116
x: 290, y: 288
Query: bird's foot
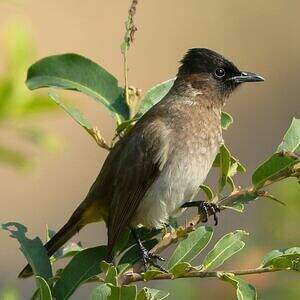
x: 205, y: 208
x: 149, y: 259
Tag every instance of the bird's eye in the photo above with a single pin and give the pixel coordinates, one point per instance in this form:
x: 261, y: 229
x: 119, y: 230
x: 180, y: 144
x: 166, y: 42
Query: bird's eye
x: 220, y: 73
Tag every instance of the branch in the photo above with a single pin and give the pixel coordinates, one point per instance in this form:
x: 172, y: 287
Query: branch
x: 135, y: 277
x: 172, y: 237
x: 130, y: 93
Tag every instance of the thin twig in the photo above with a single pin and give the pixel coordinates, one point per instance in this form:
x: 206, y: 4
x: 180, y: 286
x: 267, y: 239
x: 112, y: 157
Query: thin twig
x: 135, y: 277
x: 128, y: 39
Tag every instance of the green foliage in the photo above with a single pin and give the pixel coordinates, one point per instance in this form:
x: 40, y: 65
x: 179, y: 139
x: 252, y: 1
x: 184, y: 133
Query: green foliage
x: 18, y: 106
x: 276, y: 167
x: 111, y: 292
x: 82, y: 267
x: 228, y: 166
x: 191, y: 246
x: 151, y: 294
x: 226, y: 120
x: 226, y: 247
x: 44, y: 289
x: 291, y: 140
x: 207, y: 191
x: 102, y: 292
x: 155, y: 94
x: 288, y: 258
x: 281, y: 164
x: 33, y: 250
x: 244, y: 290
x: 74, y: 72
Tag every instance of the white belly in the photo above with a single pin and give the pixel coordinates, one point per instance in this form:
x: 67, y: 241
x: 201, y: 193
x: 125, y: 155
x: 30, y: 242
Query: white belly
x: 177, y: 183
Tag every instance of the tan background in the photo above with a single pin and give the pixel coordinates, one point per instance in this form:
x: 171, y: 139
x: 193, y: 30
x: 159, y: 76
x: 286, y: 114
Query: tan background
x: 259, y: 36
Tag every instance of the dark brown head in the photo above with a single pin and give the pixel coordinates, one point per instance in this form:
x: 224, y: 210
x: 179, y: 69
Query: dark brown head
x: 212, y: 74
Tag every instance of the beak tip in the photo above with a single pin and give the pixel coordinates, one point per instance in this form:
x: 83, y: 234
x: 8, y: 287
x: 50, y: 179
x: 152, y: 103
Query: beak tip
x: 260, y: 78
x: 248, y: 77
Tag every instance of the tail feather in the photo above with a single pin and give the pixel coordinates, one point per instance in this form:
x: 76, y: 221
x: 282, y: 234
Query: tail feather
x: 56, y: 242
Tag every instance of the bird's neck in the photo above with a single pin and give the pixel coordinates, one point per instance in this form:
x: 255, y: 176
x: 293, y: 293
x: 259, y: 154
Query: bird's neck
x: 193, y: 88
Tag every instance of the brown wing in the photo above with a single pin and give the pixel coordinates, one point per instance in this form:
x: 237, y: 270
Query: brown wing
x: 128, y: 172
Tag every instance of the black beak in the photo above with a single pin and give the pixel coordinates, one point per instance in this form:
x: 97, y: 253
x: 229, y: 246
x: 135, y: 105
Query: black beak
x: 247, y: 77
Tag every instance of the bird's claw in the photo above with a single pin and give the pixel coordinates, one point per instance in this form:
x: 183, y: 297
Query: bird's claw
x: 205, y: 208
x: 149, y: 258
x: 208, y: 207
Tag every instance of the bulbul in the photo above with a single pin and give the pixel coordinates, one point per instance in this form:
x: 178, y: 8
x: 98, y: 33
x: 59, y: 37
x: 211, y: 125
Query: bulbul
x: 155, y: 170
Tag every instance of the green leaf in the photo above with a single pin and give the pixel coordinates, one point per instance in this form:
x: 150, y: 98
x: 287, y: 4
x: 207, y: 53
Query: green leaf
x: 83, y: 266
x: 228, y: 165
x: 74, y: 72
x: 33, y: 250
x: 181, y: 268
x: 155, y: 94
x: 291, y: 139
x: 124, y: 126
x: 73, y: 112
x: 151, y: 294
x: 224, y: 166
x: 44, y: 289
x: 151, y: 274
x: 285, y: 259
x: 239, y: 207
x: 125, y: 292
x: 227, y: 246
x: 244, y: 290
x: 278, y: 166
x: 234, y: 163
x: 241, y: 198
x: 191, y: 246
x: 226, y: 120
x: 71, y: 249
x: 208, y: 191
x: 112, y: 275
x: 101, y: 292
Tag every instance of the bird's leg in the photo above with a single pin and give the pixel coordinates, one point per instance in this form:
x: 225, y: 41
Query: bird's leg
x: 204, y: 208
x: 146, y: 256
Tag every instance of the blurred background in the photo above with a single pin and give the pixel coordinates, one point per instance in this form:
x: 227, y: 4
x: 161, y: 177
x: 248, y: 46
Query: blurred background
x: 47, y: 162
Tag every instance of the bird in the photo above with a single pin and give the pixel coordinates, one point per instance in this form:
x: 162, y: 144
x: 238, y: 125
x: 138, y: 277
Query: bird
x: 154, y: 171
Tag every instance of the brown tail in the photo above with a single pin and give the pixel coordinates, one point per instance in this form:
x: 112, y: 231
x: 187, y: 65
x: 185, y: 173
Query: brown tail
x: 59, y: 239
x: 88, y: 211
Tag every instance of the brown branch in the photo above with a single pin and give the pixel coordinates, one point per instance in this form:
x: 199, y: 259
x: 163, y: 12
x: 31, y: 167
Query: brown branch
x: 128, y: 40
x: 127, y: 278
x: 172, y: 237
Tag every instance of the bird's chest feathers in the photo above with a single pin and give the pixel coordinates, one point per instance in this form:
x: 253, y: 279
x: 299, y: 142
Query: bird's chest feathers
x: 189, y: 161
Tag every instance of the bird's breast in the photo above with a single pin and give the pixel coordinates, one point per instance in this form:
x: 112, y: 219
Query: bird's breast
x: 189, y: 161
